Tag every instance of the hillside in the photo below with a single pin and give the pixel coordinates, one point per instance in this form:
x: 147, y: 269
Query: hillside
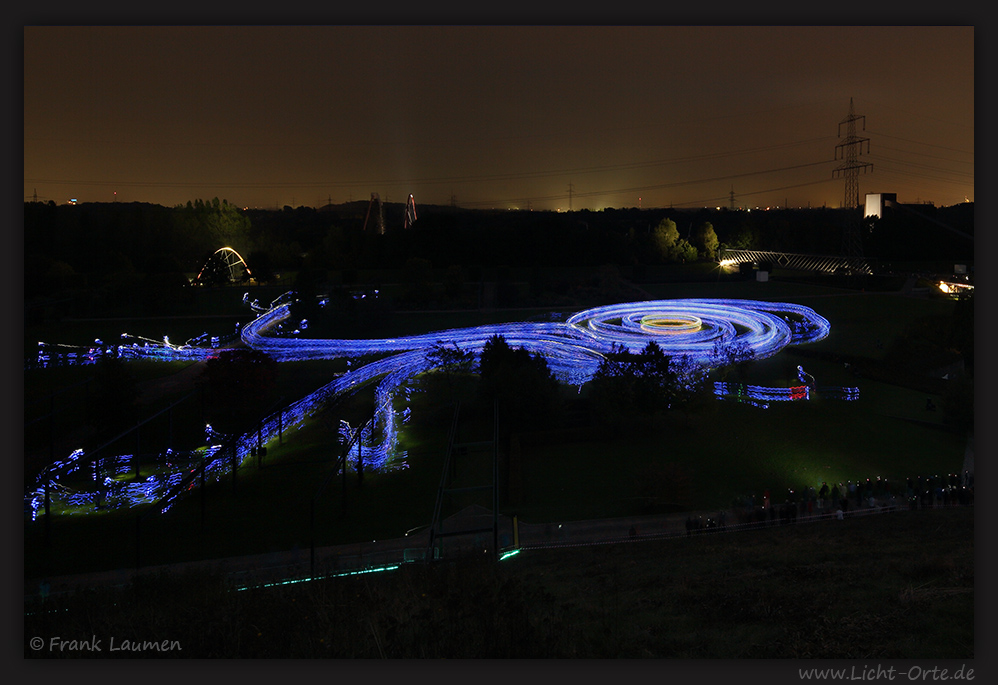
x: 898, y: 586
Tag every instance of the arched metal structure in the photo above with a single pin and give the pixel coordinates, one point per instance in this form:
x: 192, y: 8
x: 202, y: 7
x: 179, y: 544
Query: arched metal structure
x: 797, y: 262
x: 224, y: 262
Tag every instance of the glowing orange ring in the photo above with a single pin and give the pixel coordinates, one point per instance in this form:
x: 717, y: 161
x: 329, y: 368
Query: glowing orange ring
x: 670, y: 325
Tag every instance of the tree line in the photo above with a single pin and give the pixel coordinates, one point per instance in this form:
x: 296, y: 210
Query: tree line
x: 141, y: 254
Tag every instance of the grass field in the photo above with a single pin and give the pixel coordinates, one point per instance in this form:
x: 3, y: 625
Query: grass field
x: 733, y: 451
x: 717, y: 453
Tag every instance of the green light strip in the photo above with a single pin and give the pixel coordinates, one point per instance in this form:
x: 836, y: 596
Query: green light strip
x: 295, y: 581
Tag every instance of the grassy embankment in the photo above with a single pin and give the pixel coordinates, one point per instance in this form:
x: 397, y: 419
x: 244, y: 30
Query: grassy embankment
x: 898, y: 586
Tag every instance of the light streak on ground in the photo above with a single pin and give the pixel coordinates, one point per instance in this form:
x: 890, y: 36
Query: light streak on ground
x: 761, y: 396
x: 699, y: 330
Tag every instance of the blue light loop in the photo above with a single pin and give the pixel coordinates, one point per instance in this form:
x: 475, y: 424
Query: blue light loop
x: 698, y: 329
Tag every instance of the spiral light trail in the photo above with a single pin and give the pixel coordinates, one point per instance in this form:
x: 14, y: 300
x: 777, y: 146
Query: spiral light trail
x: 697, y: 329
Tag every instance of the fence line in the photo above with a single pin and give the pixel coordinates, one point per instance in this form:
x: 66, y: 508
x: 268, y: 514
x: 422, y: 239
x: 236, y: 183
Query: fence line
x: 296, y: 567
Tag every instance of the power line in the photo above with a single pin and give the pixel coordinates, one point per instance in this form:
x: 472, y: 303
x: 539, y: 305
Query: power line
x: 619, y: 191
x: 918, y: 142
x: 659, y: 186
x: 717, y: 199
x: 927, y: 177
x: 967, y: 174
x: 451, y: 179
x: 925, y: 154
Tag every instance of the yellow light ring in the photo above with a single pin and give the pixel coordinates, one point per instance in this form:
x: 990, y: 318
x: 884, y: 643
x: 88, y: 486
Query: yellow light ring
x: 671, y: 324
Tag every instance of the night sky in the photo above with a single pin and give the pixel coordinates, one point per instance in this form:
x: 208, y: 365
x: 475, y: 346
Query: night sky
x: 509, y: 117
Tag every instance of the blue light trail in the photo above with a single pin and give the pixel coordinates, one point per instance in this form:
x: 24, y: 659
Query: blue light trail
x: 699, y: 330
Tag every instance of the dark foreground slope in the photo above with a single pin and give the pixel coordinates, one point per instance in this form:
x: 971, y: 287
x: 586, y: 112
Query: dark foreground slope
x: 875, y: 587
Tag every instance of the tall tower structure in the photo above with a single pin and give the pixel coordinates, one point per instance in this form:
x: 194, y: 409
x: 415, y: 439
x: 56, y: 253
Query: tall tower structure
x: 848, y: 151
x: 379, y: 218
x: 410, y: 212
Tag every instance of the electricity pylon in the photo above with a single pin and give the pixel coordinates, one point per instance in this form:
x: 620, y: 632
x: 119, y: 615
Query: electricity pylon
x: 850, y: 148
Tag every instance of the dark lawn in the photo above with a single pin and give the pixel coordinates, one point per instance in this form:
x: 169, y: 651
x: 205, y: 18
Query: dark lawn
x: 722, y: 450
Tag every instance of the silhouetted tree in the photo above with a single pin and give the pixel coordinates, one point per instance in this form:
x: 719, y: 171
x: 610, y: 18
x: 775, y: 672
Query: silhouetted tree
x: 741, y: 238
x: 684, y: 252
x: 735, y: 357
x: 612, y: 387
x: 705, y: 240
x: 690, y: 383
x: 450, y: 362
x: 523, y: 384
x: 628, y: 384
x: 654, y: 379
x: 664, y: 238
